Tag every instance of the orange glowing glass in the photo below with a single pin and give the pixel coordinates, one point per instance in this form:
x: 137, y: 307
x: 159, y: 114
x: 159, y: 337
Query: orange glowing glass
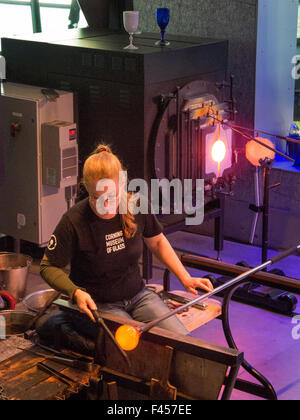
x: 127, y: 337
x: 218, y: 151
x: 256, y: 151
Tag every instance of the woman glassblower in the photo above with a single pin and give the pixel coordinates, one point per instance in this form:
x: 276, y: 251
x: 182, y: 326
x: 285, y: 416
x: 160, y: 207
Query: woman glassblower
x: 104, y: 251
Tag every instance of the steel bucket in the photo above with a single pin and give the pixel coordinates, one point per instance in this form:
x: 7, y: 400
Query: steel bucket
x: 13, y: 273
x: 14, y: 322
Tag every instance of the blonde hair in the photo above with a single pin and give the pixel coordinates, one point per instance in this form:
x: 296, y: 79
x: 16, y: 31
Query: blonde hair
x: 103, y: 164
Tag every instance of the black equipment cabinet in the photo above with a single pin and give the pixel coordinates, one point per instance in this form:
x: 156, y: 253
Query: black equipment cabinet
x: 118, y: 91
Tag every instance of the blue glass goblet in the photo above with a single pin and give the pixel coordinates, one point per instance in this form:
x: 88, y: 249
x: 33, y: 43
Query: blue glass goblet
x: 162, y: 19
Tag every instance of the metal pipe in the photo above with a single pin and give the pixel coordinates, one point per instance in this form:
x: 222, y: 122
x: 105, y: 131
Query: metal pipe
x: 257, y: 203
x: 179, y: 137
x: 265, y: 390
x: 219, y: 289
x: 266, y: 213
x: 36, y: 16
x: 288, y: 139
x: 253, y: 139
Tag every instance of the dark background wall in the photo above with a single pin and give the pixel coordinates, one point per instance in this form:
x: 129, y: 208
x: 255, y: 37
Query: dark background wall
x: 236, y: 21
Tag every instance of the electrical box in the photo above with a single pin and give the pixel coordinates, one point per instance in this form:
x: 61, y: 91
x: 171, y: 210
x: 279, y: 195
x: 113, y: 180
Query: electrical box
x: 38, y: 160
x: 59, y: 154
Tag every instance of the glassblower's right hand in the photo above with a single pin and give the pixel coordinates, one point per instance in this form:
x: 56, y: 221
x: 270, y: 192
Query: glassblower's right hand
x: 85, y: 303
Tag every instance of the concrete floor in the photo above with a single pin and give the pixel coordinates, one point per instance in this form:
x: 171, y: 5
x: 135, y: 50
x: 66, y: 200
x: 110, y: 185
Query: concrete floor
x: 265, y: 338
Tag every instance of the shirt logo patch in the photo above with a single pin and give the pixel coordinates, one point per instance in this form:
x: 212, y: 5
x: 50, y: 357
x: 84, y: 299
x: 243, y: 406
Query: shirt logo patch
x: 114, y: 242
x: 52, y: 243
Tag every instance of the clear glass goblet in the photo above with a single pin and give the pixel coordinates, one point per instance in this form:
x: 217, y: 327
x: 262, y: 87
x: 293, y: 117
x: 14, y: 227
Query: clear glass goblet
x: 131, y: 23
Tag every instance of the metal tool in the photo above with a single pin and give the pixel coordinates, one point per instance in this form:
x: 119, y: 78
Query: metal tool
x: 61, y: 377
x: 181, y: 299
x: 79, y: 363
x: 100, y: 321
x: 61, y: 354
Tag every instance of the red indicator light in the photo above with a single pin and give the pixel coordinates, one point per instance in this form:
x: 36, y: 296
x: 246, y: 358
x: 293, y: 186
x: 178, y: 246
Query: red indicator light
x: 72, y: 134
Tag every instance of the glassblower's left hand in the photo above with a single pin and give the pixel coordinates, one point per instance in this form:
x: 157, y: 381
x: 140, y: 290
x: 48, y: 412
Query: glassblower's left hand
x: 191, y: 283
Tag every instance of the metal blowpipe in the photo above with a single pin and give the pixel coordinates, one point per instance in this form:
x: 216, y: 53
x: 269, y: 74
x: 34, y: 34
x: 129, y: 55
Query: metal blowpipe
x: 219, y: 289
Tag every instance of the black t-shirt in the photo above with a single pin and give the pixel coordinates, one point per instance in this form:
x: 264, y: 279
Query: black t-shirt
x: 103, y: 260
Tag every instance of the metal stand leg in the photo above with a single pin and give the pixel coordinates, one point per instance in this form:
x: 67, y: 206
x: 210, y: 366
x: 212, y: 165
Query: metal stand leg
x: 219, y: 229
x: 166, y: 280
x: 147, y: 264
x: 257, y: 205
x: 267, y: 165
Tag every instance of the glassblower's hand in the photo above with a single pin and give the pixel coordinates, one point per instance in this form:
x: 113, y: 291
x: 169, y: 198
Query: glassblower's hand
x: 85, y: 303
x: 201, y: 283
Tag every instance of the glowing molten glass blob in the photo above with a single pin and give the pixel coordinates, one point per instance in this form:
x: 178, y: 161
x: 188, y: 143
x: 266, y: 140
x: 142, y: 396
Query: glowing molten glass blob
x: 256, y: 151
x: 127, y: 337
x: 218, y: 151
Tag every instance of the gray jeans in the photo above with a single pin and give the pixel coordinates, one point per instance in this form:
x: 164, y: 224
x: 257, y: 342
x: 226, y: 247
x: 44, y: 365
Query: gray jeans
x: 144, y: 307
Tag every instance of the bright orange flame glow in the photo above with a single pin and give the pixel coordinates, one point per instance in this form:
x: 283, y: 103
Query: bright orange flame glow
x: 255, y: 151
x: 218, y: 151
x: 127, y: 337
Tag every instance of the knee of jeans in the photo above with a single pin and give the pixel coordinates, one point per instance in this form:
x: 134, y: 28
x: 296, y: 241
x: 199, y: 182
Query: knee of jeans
x: 174, y: 325
x: 47, y: 326
x: 148, y: 296
x: 114, y: 310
